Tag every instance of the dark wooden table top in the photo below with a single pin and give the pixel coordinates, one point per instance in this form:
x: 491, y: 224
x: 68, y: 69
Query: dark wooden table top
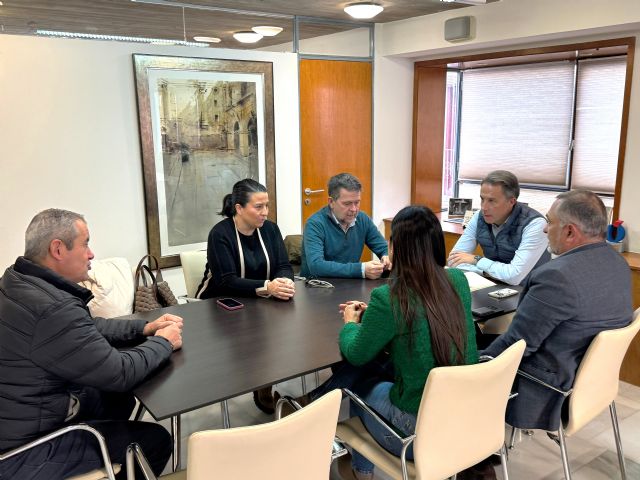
x: 480, y: 298
x: 229, y: 353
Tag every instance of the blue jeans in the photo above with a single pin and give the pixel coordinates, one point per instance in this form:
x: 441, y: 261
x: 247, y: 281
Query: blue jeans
x: 378, y: 399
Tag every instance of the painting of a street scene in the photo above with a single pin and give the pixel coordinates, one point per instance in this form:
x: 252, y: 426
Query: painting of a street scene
x: 209, y: 140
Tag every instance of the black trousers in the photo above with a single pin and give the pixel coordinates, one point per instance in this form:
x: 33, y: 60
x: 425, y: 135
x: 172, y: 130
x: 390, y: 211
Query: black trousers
x: 357, y: 379
x: 78, y: 452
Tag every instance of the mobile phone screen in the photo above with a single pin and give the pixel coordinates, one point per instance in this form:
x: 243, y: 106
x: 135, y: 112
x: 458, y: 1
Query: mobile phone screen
x: 230, y: 303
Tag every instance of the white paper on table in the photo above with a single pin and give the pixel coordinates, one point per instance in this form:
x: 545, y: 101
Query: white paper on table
x: 477, y: 282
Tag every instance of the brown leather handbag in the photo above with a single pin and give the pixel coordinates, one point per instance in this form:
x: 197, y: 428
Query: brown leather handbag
x: 152, y: 291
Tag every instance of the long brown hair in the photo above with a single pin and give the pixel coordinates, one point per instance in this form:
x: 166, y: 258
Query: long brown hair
x: 419, y: 280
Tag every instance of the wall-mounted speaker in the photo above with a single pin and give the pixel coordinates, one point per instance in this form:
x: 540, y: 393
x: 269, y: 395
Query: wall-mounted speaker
x: 457, y: 29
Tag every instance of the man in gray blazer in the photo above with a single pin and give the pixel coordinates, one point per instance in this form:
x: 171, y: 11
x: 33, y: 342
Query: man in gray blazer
x: 564, y: 305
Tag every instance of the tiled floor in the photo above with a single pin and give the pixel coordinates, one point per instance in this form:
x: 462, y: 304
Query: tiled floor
x: 592, y: 451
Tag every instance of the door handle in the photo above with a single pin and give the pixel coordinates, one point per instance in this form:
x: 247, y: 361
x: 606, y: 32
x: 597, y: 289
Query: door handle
x: 308, y: 191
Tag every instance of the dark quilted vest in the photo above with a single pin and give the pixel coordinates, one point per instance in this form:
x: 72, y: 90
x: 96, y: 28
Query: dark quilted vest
x: 503, y: 247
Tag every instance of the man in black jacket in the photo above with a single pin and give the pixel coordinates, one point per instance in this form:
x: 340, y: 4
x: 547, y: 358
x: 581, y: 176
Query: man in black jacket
x: 58, y: 365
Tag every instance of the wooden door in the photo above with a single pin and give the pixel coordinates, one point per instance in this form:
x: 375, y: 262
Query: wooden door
x: 335, y: 128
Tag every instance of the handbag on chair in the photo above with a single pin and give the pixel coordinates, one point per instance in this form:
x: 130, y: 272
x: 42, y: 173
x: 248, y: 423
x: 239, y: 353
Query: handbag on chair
x: 152, y: 292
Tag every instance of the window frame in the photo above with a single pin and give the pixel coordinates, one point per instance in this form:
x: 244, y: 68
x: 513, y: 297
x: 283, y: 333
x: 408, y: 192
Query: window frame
x: 426, y: 181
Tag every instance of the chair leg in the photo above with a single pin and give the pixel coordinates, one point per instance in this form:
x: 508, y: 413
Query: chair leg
x: 503, y: 462
x: 139, y: 412
x: 224, y: 409
x: 512, y: 438
x: 616, y: 433
x: 317, y: 375
x: 303, y: 379
x: 175, y: 433
x: 563, y: 454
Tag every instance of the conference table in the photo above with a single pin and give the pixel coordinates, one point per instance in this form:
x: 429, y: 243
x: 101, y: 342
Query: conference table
x: 229, y: 353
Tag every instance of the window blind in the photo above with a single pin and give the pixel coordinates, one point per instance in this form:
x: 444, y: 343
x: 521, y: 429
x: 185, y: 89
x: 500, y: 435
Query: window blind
x: 517, y: 118
x: 599, y: 100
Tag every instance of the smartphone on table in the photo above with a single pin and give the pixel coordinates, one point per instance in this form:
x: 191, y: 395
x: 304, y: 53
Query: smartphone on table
x: 229, y: 303
x: 503, y: 293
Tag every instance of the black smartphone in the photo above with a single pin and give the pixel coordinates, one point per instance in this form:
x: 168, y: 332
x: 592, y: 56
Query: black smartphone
x: 481, y: 313
x: 229, y: 303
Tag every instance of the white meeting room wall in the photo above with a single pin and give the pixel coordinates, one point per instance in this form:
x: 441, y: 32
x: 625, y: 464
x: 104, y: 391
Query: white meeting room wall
x: 69, y: 138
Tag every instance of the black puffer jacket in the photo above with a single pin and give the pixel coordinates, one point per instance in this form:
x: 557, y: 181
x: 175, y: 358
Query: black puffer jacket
x: 49, y: 341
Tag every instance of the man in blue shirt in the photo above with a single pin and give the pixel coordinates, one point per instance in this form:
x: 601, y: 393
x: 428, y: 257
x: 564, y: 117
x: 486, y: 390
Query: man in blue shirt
x: 510, y: 233
x: 335, y: 236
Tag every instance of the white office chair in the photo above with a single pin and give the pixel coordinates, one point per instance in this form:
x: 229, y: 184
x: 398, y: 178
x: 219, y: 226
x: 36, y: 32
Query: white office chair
x: 193, y: 266
x: 451, y: 433
x: 109, y: 470
x: 296, y: 447
x: 595, y: 388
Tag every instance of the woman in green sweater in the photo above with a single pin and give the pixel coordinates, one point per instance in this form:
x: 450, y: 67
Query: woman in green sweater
x: 422, y: 318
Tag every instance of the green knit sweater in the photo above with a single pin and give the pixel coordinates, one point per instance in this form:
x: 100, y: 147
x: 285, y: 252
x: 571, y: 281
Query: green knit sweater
x: 378, y: 330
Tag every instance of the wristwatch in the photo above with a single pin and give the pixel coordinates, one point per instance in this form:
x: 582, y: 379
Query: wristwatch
x: 477, y: 258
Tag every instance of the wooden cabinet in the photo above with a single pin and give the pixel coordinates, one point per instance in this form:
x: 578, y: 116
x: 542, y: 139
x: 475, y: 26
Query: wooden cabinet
x: 630, y: 371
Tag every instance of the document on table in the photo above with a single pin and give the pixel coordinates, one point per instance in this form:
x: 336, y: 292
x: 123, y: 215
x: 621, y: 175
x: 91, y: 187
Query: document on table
x: 477, y: 282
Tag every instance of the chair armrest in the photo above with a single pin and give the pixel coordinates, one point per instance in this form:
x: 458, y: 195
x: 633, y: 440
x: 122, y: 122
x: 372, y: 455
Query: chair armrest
x: 288, y: 400
x: 135, y: 454
x: 484, y: 358
x: 382, y: 421
x: 63, y: 431
x: 528, y: 376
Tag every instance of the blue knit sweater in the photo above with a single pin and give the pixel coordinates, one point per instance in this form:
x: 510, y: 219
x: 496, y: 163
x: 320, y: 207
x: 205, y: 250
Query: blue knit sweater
x: 327, y: 251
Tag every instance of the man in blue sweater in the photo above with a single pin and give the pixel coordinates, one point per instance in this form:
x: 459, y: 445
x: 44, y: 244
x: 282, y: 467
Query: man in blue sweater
x: 335, y: 236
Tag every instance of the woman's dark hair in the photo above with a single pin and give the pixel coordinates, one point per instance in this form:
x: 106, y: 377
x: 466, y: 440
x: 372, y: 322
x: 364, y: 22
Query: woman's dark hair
x: 240, y: 194
x: 420, y: 280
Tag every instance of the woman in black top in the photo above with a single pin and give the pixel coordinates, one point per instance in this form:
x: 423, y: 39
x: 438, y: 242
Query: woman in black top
x: 246, y: 256
x: 245, y: 252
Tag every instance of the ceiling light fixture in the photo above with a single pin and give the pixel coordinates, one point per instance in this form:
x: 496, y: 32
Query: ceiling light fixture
x: 267, y: 31
x: 200, y: 38
x: 363, y: 9
x: 247, y: 36
x: 118, y: 38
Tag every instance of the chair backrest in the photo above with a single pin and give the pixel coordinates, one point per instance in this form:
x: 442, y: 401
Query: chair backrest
x: 461, y: 416
x: 596, y: 383
x: 297, y: 446
x: 293, y: 245
x: 193, y: 265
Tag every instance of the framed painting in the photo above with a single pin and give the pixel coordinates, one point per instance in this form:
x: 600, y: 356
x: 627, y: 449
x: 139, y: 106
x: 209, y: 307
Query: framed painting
x: 204, y: 125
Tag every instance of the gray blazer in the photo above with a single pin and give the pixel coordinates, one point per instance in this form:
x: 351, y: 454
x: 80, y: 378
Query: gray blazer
x: 565, y: 303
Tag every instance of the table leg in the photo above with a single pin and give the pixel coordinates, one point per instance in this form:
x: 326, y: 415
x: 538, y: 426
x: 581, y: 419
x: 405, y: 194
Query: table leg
x: 224, y: 408
x: 175, y: 433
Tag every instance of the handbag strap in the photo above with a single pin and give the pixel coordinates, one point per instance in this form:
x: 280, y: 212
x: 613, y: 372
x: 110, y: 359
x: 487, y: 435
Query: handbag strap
x: 143, y: 270
x: 158, y: 272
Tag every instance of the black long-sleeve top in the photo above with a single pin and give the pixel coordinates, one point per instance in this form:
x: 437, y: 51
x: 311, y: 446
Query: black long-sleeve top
x: 222, y: 274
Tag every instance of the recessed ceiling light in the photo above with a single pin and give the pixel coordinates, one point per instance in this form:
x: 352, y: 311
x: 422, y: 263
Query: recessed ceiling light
x: 267, y: 31
x: 247, y: 36
x: 363, y: 9
x: 200, y: 38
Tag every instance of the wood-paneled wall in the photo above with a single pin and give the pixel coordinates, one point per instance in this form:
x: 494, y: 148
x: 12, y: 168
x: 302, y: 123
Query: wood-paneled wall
x: 430, y: 87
